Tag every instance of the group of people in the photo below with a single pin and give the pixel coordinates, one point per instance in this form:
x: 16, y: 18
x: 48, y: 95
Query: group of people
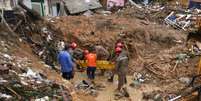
x: 68, y: 63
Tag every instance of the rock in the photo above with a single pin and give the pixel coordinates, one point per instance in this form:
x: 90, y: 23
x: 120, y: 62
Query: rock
x: 88, y: 13
x: 185, y: 80
x: 7, y: 56
x: 125, y: 92
x: 2, y: 81
x: 5, y: 96
x: 4, y: 70
x: 154, y: 95
x: 135, y: 83
x: 46, y: 98
x: 158, y: 97
x: 31, y: 74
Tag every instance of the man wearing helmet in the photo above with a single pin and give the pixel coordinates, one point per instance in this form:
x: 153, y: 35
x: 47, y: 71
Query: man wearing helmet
x: 118, y: 49
x: 73, y: 46
x: 121, y: 66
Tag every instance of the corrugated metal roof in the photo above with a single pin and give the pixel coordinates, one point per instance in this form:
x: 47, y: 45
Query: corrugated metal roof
x: 77, y: 6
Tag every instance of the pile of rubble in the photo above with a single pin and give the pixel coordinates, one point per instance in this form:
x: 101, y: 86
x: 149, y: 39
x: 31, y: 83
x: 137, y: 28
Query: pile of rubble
x: 156, y: 52
x: 30, y: 86
x: 183, y: 20
x: 20, y: 82
x: 89, y: 88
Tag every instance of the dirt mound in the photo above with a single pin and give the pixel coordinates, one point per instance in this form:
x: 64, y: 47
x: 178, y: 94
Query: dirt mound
x: 142, y: 38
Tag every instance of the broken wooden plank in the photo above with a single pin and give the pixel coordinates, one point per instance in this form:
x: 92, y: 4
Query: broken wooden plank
x: 19, y: 97
x: 154, y: 72
x: 17, y: 25
x: 175, y: 66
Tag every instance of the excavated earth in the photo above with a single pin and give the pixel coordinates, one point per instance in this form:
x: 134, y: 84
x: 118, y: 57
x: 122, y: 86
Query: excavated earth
x: 153, y: 50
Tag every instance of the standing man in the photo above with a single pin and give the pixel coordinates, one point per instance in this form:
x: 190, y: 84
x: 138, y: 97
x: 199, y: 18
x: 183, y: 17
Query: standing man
x: 91, y: 64
x: 121, y: 66
x: 66, y: 63
x: 118, y: 48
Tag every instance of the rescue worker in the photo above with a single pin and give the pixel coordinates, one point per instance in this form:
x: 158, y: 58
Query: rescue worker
x: 91, y: 64
x: 121, y: 66
x: 102, y: 54
x: 73, y: 46
x: 85, y: 52
x: 118, y: 45
x: 66, y: 63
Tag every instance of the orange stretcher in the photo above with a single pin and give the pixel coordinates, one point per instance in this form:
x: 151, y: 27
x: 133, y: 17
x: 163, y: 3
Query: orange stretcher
x: 101, y: 64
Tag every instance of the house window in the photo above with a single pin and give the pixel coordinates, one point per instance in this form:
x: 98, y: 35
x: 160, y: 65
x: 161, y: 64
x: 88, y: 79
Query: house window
x: 38, y: 8
x: 55, y: 9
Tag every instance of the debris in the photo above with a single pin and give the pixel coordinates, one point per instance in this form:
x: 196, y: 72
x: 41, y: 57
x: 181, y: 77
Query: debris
x: 7, y: 97
x: 88, y: 13
x: 7, y: 56
x: 182, y: 57
x: 77, y: 6
x: 198, y: 44
x: 154, y: 95
x: 185, y: 80
x: 133, y: 3
x: 175, y: 66
x: 32, y: 13
x: 4, y: 70
x: 31, y: 74
x: 176, y: 98
x: 118, y: 96
x: 182, y: 20
x: 89, y: 87
x: 193, y: 4
x: 106, y: 13
x: 19, y: 97
x: 2, y: 81
x: 82, y: 85
x: 46, y: 98
x: 152, y: 70
x: 145, y: 39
